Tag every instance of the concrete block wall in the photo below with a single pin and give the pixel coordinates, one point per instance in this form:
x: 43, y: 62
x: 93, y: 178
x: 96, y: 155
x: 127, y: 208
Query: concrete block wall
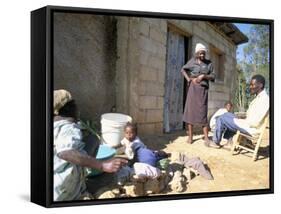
x: 152, y: 65
x: 141, y: 50
x: 121, y: 61
x: 141, y: 63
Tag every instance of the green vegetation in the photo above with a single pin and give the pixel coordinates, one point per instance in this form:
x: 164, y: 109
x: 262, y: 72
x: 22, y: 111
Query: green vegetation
x: 90, y: 127
x: 255, y: 60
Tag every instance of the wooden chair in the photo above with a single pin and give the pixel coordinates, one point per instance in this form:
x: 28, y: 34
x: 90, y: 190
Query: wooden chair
x: 250, y: 143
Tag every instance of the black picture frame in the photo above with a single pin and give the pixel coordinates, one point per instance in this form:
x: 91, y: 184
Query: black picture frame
x: 42, y: 67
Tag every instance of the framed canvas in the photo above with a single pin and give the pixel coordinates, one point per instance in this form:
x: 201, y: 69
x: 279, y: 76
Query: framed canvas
x: 131, y: 106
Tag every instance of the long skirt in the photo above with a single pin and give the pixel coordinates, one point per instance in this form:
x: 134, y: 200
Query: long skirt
x: 196, y: 105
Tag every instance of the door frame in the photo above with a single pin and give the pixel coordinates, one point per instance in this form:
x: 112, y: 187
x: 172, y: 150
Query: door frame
x: 187, y: 53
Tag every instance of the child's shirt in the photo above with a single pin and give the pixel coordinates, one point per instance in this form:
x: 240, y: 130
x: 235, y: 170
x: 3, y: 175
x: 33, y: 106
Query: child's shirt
x: 131, y: 147
x: 213, y: 120
x: 137, y: 149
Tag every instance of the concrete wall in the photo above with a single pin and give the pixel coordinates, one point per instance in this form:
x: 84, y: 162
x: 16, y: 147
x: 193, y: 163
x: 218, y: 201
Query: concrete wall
x: 141, y: 50
x: 141, y: 67
x: 121, y: 61
x: 85, y: 61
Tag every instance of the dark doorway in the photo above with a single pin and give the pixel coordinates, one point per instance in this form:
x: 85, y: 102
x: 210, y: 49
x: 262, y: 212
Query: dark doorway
x: 185, y: 83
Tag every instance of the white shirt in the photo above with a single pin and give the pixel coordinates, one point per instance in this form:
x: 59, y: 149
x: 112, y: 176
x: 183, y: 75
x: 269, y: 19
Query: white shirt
x: 255, y: 114
x: 131, y: 146
x: 218, y: 113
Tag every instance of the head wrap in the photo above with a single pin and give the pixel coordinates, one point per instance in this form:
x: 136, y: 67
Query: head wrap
x: 61, y: 97
x: 200, y: 47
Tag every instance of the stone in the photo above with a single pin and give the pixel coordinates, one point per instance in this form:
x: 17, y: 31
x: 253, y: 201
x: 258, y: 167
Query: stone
x: 106, y: 193
x: 187, y: 173
x: 178, y: 183
x: 164, y: 180
x: 134, y: 189
x: 152, y: 186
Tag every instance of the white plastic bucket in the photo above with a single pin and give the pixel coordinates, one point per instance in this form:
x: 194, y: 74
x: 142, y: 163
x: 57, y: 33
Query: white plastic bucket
x: 112, y: 128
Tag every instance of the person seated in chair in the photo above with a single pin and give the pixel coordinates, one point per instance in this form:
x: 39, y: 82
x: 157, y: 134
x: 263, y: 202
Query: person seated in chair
x: 228, y: 124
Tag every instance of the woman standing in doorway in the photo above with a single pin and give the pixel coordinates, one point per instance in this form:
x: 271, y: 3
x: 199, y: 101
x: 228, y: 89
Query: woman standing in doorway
x: 197, y: 71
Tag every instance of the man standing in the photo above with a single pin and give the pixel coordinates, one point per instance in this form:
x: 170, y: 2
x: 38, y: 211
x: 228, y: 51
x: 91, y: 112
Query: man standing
x: 228, y: 124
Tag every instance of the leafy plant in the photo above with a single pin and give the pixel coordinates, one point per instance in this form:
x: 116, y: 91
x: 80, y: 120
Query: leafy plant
x: 91, y: 127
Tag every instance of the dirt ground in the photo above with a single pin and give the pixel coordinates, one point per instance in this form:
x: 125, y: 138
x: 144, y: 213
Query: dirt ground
x: 231, y: 172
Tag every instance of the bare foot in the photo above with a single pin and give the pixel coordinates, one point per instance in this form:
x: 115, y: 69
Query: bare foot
x: 210, y: 143
x: 189, y: 141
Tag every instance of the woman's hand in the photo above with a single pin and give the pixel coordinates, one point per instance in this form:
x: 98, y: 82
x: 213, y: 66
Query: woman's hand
x: 84, y: 160
x: 188, y: 79
x: 200, y: 78
x: 194, y: 80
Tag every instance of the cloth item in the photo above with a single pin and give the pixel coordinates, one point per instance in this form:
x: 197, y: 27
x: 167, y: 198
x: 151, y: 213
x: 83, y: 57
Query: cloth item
x: 218, y: 113
x: 193, y: 69
x: 196, y: 105
x: 61, y: 97
x: 200, y: 47
x: 197, y: 164
x: 147, y: 156
x: 163, y: 163
x: 150, y: 157
x: 146, y: 170
x: 69, y: 179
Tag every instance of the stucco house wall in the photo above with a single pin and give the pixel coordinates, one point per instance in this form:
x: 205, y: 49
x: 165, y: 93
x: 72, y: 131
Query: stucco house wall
x: 85, y: 61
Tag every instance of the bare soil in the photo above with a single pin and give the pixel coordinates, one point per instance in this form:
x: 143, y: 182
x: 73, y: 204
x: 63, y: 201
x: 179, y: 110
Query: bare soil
x: 231, y: 172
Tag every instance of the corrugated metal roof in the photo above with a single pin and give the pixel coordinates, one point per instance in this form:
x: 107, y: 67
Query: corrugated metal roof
x: 231, y: 31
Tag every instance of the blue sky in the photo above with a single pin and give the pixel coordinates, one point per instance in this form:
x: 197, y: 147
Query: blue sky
x: 244, y: 28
